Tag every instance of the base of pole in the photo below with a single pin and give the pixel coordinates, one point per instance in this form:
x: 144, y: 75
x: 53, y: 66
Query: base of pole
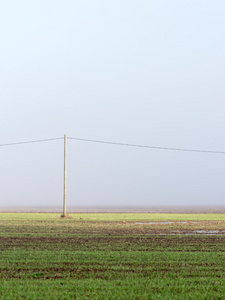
x: 65, y: 217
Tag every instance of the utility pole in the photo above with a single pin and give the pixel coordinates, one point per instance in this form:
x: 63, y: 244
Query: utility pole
x: 65, y: 175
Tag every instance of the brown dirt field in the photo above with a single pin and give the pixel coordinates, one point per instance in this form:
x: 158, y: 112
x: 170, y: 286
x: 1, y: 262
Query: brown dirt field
x: 144, y: 243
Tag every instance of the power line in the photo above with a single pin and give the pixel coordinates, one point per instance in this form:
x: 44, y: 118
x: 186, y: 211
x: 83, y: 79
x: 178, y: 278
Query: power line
x: 146, y: 146
x: 29, y: 142
x: 115, y: 143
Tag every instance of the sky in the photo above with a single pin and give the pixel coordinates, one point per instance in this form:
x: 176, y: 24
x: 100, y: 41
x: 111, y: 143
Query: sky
x: 139, y: 71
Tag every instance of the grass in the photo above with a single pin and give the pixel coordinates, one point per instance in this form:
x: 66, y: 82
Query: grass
x: 115, y: 217
x: 109, y: 256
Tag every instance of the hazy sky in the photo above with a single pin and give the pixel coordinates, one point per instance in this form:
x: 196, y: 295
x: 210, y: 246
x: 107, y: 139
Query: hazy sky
x: 138, y: 71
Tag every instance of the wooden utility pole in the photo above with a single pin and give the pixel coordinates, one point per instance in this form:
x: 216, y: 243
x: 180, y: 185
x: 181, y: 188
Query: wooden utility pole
x: 65, y: 174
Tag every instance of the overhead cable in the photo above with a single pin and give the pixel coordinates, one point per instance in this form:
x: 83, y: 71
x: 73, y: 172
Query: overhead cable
x: 146, y: 146
x: 115, y: 143
x: 29, y: 142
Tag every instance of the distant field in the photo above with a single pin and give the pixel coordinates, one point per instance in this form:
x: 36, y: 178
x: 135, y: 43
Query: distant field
x: 116, y: 209
x: 112, y: 256
x: 117, y: 216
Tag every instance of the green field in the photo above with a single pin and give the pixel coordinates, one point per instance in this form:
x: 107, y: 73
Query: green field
x: 112, y: 256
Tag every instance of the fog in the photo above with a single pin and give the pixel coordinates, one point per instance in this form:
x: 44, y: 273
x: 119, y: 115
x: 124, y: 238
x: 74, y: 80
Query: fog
x: 139, y: 72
